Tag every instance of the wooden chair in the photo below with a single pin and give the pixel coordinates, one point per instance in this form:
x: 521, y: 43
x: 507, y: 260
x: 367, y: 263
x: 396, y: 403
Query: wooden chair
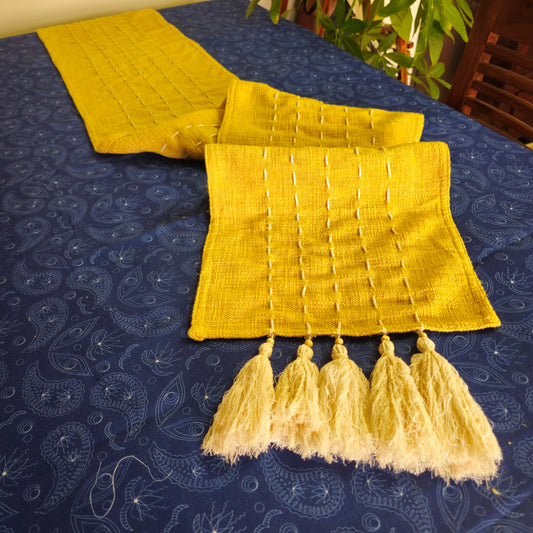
x: 494, y: 80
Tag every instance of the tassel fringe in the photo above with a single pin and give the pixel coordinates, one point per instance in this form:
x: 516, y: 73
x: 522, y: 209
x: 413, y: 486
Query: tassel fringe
x: 471, y: 449
x: 242, y: 423
x: 343, y: 395
x: 412, y: 419
x: 297, y: 423
x: 399, y: 421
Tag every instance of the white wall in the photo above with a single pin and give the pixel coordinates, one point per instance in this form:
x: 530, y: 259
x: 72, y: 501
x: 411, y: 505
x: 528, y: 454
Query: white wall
x: 22, y: 16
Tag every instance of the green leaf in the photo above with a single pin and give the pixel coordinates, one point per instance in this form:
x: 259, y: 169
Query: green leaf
x: 340, y: 11
x: 354, y: 26
x: 453, y: 16
x: 326, y: 21
x: 435, y: 41
x: 434, y: 90
x: 466, y: 12
x: 403, y: 60
x: 392, y: 71
x: 387, y: 42
x: 437, y: 70
x: 419, y: 81
x: 402, y: 22
x: 352, y: 47
x: 420, y: 65
x: 394, y: 6
x: 424, y: 19
x: 375, y: 6
x: 251, y: 7
x: 275, y: 9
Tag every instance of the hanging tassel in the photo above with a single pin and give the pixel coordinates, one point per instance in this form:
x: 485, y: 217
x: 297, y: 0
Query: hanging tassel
x: 399, y: 421
x: 470, y: 447
x: 242, y: 423
x: 297, y: 421
x: 343, y: 395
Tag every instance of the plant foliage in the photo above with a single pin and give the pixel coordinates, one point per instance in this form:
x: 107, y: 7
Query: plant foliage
x: 368, y: 30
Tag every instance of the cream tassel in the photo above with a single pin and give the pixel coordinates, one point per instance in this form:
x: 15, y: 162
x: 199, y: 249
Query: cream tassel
x: 343, y: 394
x: 297, y: 422
x: 399, y: 421
x: 242, y: 423
x: 470, y: 447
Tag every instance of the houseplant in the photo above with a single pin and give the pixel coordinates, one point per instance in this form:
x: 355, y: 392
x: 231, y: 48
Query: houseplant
x: 369, y: 30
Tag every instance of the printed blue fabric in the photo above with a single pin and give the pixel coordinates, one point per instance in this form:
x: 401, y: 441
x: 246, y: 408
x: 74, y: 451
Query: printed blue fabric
x: 104, y: 400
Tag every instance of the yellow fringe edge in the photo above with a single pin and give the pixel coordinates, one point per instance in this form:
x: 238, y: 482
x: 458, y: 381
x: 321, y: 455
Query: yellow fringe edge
x: 343, y: 394
x: 242, y: 423
x: 297, y: 422
x: 410, y: 418
x: 471, y: 451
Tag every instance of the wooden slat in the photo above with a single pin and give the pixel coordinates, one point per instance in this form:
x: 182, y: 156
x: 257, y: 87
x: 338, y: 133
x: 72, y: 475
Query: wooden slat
x: 501, y: 116
x: 512, y: 56
x: 503, y: 96
x: 512, y: 78
x: 484, y: 21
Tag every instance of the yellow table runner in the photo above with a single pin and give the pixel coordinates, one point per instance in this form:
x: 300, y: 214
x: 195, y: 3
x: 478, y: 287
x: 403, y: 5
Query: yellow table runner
x: 140, y: 84
x: 259, y: 115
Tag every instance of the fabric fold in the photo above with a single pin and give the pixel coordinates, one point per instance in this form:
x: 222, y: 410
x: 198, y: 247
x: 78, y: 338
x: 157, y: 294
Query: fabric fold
x: 257, y: 114
x: 139, y: 84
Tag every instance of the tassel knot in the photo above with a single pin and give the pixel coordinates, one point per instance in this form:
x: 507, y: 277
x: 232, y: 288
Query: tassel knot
x: 386, y: 347
x: 266, y: 348
x: 424, y: 343
x: 305, y: 351
x: 339, y: 350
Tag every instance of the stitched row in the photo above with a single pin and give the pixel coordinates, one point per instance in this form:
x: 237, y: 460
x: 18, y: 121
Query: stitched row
x: 134, y: 64
x: 332, y: 249
x: 162, y: 71
x: 405, y: 281
x: 169, y: 58
x: 274, y: 117
x: 301, y: 251
x: 109, y: 89
x: 371, y: 117
x: 176, y: 133
x: 364, y: 249
x: 269, y: 247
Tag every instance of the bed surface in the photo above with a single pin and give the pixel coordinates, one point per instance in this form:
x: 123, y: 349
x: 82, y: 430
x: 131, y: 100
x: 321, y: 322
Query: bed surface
x: 99, y: 263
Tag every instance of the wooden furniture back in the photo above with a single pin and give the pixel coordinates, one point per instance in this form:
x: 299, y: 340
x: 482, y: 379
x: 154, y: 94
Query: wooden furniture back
x: 494, y: 80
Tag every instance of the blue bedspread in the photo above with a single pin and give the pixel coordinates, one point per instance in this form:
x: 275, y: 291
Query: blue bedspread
x: 103, y: 398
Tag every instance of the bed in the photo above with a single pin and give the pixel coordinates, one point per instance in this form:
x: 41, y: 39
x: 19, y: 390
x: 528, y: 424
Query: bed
x: 104, y: 405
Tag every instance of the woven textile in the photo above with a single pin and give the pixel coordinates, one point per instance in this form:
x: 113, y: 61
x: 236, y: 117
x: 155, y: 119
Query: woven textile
x: 259, y: 115
x: 140, y: 84
x: 327, y: 241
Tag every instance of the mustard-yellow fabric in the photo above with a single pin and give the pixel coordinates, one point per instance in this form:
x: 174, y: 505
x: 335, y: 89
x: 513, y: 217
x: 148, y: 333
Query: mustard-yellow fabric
x: 259, y: 115
x: 140, y: 84
x: 326, y: 241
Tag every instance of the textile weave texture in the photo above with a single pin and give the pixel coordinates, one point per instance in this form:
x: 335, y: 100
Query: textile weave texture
x: 326, y: 241
x: 259, y: 115
x: 140, y: 84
